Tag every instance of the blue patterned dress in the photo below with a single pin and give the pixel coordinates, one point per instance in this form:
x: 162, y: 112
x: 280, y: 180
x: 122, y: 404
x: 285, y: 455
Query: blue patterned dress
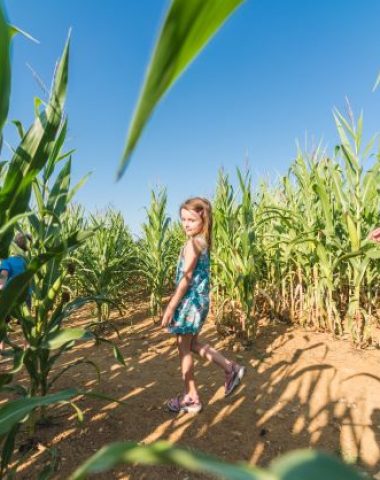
x: 192, y: 310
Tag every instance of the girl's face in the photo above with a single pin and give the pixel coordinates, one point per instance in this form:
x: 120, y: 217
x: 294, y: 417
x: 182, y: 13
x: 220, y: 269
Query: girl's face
x: 192, y: 222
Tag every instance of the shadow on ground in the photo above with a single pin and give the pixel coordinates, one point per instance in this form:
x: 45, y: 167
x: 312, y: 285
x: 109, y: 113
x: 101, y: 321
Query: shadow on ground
x: 301, y: 389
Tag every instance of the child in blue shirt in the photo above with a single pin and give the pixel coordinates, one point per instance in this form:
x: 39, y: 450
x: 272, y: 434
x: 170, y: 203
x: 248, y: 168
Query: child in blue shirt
x: 15, y: 265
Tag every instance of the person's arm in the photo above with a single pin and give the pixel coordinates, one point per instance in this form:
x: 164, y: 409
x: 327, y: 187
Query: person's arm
x: 191, y: 255
x: 3, y: 278
x: 375, y: 235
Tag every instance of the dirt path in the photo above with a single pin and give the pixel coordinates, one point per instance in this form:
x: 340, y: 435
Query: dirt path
x: 301, y: 389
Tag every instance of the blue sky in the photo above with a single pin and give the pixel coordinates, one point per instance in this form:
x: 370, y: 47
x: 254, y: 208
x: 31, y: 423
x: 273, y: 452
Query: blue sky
x: 272, y: 75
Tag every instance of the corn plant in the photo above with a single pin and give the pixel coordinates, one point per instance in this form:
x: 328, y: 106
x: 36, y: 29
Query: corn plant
x: 106, y: 264
x: 42, y: 325
x: 302, y: 244
x: 236, y: 258
x: 156, y: 252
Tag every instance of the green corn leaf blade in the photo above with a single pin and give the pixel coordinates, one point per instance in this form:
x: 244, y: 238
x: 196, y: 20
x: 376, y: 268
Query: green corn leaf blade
x: 348, y: 256
x: 2, y: 165
x: 186, y: 30
x: 78, y: 411
x: 13, y: 30
x: 312, y: 465
x: 370, y: 183
x: 38, y: 102
x: 102, y: 396
x: 34, y: 150
x: 341, y: 120
x: 348, y: 154
x: 164, y: 453
x: 71, y: 307
x: 352, y: 233
x: 38, y: 197
x: 338, y: 187
x: 77, y: 187
x: 116, y: 351
x: 57, y: 200
x: 8, y: 447
x: 72, y: 365
x: 118, y: 355
x: 373, y: 254
x: 11, y: 223
x: 66, y: 154
x: 18, y: 361
x: 359, y: 132
x: 20, y: 128
x: 14, y: 411
x: 66, y: 335
x: 55, y: 155
x: 5, y: 70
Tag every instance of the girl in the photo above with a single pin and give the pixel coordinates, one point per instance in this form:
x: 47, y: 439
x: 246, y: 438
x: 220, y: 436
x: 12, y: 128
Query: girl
x: 188, y: 308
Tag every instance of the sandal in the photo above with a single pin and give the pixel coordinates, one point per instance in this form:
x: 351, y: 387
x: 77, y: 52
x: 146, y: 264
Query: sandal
x: 184, y: 403
x: 233, y: 379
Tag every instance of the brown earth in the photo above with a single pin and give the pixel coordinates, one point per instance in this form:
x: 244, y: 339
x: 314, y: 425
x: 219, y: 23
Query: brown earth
x: 302, y: 389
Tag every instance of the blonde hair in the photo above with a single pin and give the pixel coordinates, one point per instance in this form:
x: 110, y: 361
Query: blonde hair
x: 203, y: 207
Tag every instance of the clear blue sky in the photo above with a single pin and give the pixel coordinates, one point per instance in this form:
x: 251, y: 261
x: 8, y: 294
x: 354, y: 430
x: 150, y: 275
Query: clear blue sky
x: 272, y: 74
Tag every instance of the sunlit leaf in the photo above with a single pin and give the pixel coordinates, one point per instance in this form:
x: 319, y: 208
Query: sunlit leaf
x: 187, y: 28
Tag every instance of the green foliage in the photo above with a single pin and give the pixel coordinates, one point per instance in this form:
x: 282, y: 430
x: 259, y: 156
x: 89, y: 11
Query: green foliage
x: 300, y: 247
x: 236, y: 257
x: 5, y: 71
x: 186, y: 30
x: 298, y: 465
x: 14, y: 412
x: 105, y: 265
x: 40, y: 167
x: 156, y: 251
x: 32, y: 154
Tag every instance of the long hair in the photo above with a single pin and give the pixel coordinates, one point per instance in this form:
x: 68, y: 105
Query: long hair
x: 203, y: 207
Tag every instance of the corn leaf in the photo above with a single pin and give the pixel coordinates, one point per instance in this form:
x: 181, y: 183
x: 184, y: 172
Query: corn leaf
x: 187, y: 28
x: 33, y: 152
x: 5, y: 70
x: 14, y: 411
x: 165, y: 453
x: 66, y: 335
x: 311, y: 465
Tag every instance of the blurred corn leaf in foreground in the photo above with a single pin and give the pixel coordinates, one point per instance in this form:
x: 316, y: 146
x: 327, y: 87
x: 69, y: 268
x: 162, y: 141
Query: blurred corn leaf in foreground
x: 5, y: 69
x: 187, y: 28
x: 297, y: 465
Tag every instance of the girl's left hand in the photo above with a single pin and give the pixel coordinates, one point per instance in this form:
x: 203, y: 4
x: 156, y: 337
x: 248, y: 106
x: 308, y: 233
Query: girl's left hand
x: 168, y: 316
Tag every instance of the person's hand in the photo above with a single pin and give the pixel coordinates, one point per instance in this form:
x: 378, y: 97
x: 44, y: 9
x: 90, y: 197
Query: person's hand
x: 375, y: 235
x: 167, y: 317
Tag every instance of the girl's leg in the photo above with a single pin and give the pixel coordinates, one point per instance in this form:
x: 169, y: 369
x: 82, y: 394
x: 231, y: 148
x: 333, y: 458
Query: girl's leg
x: 208, y: 352
x: 187, y: 365
x: 233, y: 371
